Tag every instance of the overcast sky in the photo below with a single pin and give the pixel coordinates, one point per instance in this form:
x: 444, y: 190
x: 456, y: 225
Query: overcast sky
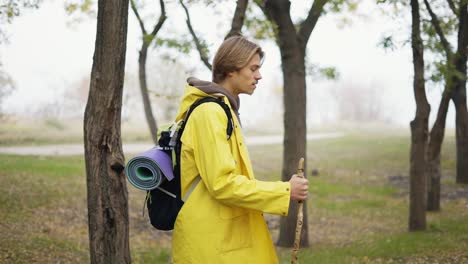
x: 45, y: 56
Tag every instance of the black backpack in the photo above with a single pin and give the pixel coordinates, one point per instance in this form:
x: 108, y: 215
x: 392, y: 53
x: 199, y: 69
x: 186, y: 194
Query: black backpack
x: 165, y: 202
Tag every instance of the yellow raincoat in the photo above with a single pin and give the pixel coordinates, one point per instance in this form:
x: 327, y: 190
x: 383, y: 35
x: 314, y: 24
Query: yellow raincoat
x: 222, y: 220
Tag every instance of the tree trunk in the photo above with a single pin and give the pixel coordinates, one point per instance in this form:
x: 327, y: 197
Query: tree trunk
x: 419, y: 130
x: 433, y: 185
x: 461, y: 122
x: 293, y: 66
x: 106, y: 183
x: 294, y: 141
x: 459, y: 97
x: 238, y: 19
x: 433, y: 154
x: 144, y: 93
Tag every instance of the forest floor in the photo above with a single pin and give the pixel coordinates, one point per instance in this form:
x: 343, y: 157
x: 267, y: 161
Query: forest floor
x: 357, y: 209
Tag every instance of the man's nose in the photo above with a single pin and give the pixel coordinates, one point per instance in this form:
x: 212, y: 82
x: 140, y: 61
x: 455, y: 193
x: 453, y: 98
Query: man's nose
x: 258, y: 76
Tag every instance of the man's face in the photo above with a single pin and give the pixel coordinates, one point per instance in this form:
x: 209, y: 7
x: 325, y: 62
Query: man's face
x: 245, y: 80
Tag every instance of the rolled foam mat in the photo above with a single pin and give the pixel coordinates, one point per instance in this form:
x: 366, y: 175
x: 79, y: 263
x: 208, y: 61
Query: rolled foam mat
x: 148, y: 170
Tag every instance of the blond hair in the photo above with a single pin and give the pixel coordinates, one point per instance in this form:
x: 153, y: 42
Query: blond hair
x: 234, y: 54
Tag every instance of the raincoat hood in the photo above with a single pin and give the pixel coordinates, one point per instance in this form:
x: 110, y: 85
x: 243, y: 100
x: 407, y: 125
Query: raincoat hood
x: 197, y: 89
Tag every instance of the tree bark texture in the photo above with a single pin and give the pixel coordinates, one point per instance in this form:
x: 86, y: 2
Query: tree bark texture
x: 433, y: 154
x: 433, y: 185
x: 452, y: 82
x: 294, y: 143
x: 459, y: 97
x: 461, y: 123
x: 293, y: 67
x: 419, y: 130
x: 106, y: 183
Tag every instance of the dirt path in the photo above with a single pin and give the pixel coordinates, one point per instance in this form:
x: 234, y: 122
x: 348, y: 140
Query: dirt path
x: 78, y: 149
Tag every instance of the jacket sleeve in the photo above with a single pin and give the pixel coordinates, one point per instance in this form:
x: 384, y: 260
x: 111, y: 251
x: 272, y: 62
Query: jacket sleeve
x: 206, y: 129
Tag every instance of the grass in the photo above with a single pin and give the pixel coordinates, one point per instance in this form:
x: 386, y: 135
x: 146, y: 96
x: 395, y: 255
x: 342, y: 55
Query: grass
x: 29, y: 132
x: 44, y: 217
x: 444, y: 241
x: 39, y: 132
x: 355, y: 213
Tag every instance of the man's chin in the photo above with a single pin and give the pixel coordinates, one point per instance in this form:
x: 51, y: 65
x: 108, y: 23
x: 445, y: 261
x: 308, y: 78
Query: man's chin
x: 249, y: 92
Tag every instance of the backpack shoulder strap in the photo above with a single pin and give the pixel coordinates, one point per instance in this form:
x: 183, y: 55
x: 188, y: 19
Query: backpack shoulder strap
x: 219, y: 101
x: 178, y: 146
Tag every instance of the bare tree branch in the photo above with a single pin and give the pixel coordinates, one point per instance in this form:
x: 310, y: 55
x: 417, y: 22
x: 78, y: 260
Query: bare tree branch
x: 201, y: 51
x: 238, y: 19
x: 436, y: 24
x: 161, y: 20
x: 452, y: 6
x: 308, y: 25
x: 137, y: 14
x: 157, y: 27
x: 146, y: 41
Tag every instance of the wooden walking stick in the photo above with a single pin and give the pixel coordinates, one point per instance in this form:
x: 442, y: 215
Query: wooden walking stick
x: 300, y: 216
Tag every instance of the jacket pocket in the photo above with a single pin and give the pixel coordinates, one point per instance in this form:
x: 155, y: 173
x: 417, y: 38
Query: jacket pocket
x: 228, y: 212
x: 237, y: 233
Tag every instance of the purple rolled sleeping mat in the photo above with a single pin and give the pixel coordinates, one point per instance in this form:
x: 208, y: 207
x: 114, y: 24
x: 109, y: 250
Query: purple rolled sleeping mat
x: 150, y: 169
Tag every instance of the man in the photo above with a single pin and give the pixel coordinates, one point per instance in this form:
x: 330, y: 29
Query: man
x: 222, y: 220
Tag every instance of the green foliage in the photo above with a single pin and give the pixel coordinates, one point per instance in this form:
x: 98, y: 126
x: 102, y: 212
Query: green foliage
x: 336, y: 6
x: 256, y: 23
x: 387, y: 43
x: 84, y: 6
x: 438, y: 71
x: 347, y: 11
x: 439, y: 68
x: 396, y: 4
x: 79, y: 10
x: 441, y: 71
x: 204, y: 47
x: 148, y: 38
x: 330, y: 73
x: 11, y: 9
x: 449, y: 25
x: 261, y: 29
x: 317, y: 72
x: 183, y: 45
